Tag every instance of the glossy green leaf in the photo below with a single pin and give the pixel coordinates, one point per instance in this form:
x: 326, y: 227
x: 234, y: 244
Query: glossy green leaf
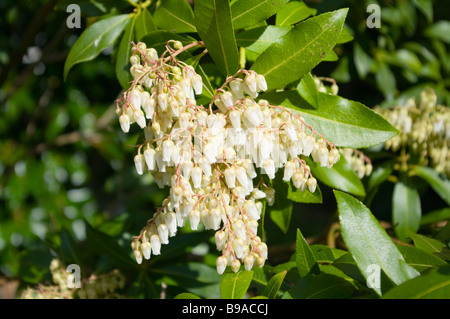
x: 259, y: 39
x: 175, y: 16
x: 324, y: 253
x: 420, y: 259
x: 304, y: 257
x: 345, y: 35
x: 124, y: 53
x: 368, y: 242
x: 280, y: 213
x: 273, y: 285
x: 300, y: 50
x: 440, y: 185
x: 343, y: 122
x: 431, y: 245
x: 340, y: 176
x: 95, y: 39
x: 214, y: 26
x: 379, y: 175
x: 235, y: 285
x: 432, y: 285
x: 322, y: 286
x: 293, y: 12
x: 246, y: 13
x: 308, y: 90
x: 406, y: 210
x: 144, y: 24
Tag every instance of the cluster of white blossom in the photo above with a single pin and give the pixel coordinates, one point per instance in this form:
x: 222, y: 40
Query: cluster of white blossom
x: 360, y: 163
x: 103, y: 286
x: 424, y: 131
x: 210, y: 156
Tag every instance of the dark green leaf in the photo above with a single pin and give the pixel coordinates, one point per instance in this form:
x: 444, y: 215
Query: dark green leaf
x: 343, y: 122
x: 420, y: 259
x: 235, y: 285
x: 259, y: 39
x: 431, y: 245
x: 175, y: 16
x: 274, y: 284
x: 368, y: 241
x: 293, y: 12
x: 385, y: 79
x: 308, y: 90
x: 144, y: 24
x: 323, y: 253
x: 341, y: 176
x: 306, y: 262
x: 322, y: 286
x: 94, y: 39
x: 105, y: 244
x: 300, y: 49
x: 213, y: 22
x: 246, y: 13
x: 124, y: 53
x: 439, y: 184
x: 432, y: 285
x: 281, y: 212
x: 406, y: 210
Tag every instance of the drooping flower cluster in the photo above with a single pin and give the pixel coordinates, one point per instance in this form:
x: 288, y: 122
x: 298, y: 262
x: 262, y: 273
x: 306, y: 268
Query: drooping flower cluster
x: 424, y: 131
x: 360, y: 163
x: 104, y: 286
x: 210, y: 156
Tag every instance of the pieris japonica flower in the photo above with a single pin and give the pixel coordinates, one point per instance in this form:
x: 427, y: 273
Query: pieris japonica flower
x: 210, y: 156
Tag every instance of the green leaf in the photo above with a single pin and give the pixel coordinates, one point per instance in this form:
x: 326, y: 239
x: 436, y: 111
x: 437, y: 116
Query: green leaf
x: 307, y: 88
x: 435, y: 216
x: 293, y: 12
x: 345, y: 35
x: 300, y: 50
x: 324, y: 253
x: 280, y: 213
x: 197, y: 278
x: 322, y: 286
x: 213, y: 21
x: 431, y: 245
x: 246, y: 13
x: 368, y: 242
x: 341, y: 176
x: 186, y: 295
x: 144, y: 24
x: 406, y: 210
x: 274, y: 284
x: 259, y: 39
x: 385, y: 79
x: 304, y: 257
x: 420, y: 259
x: 432, y: 285
x: 343, y: 122
x: 426, y: 7
x: 175, y: 16
x: 440, y: 30
x: 124, y: 53
x: 235, y: 285
x: 94, y: 39
x: 363, y: 61
x: 105, y: 244
x: 379, y: 175
x: 440, y: 185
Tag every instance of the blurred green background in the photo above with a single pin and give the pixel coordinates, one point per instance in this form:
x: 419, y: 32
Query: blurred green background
x: 65, y: 165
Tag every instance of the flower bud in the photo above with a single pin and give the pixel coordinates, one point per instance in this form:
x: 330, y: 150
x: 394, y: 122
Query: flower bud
x: 124, y: 121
